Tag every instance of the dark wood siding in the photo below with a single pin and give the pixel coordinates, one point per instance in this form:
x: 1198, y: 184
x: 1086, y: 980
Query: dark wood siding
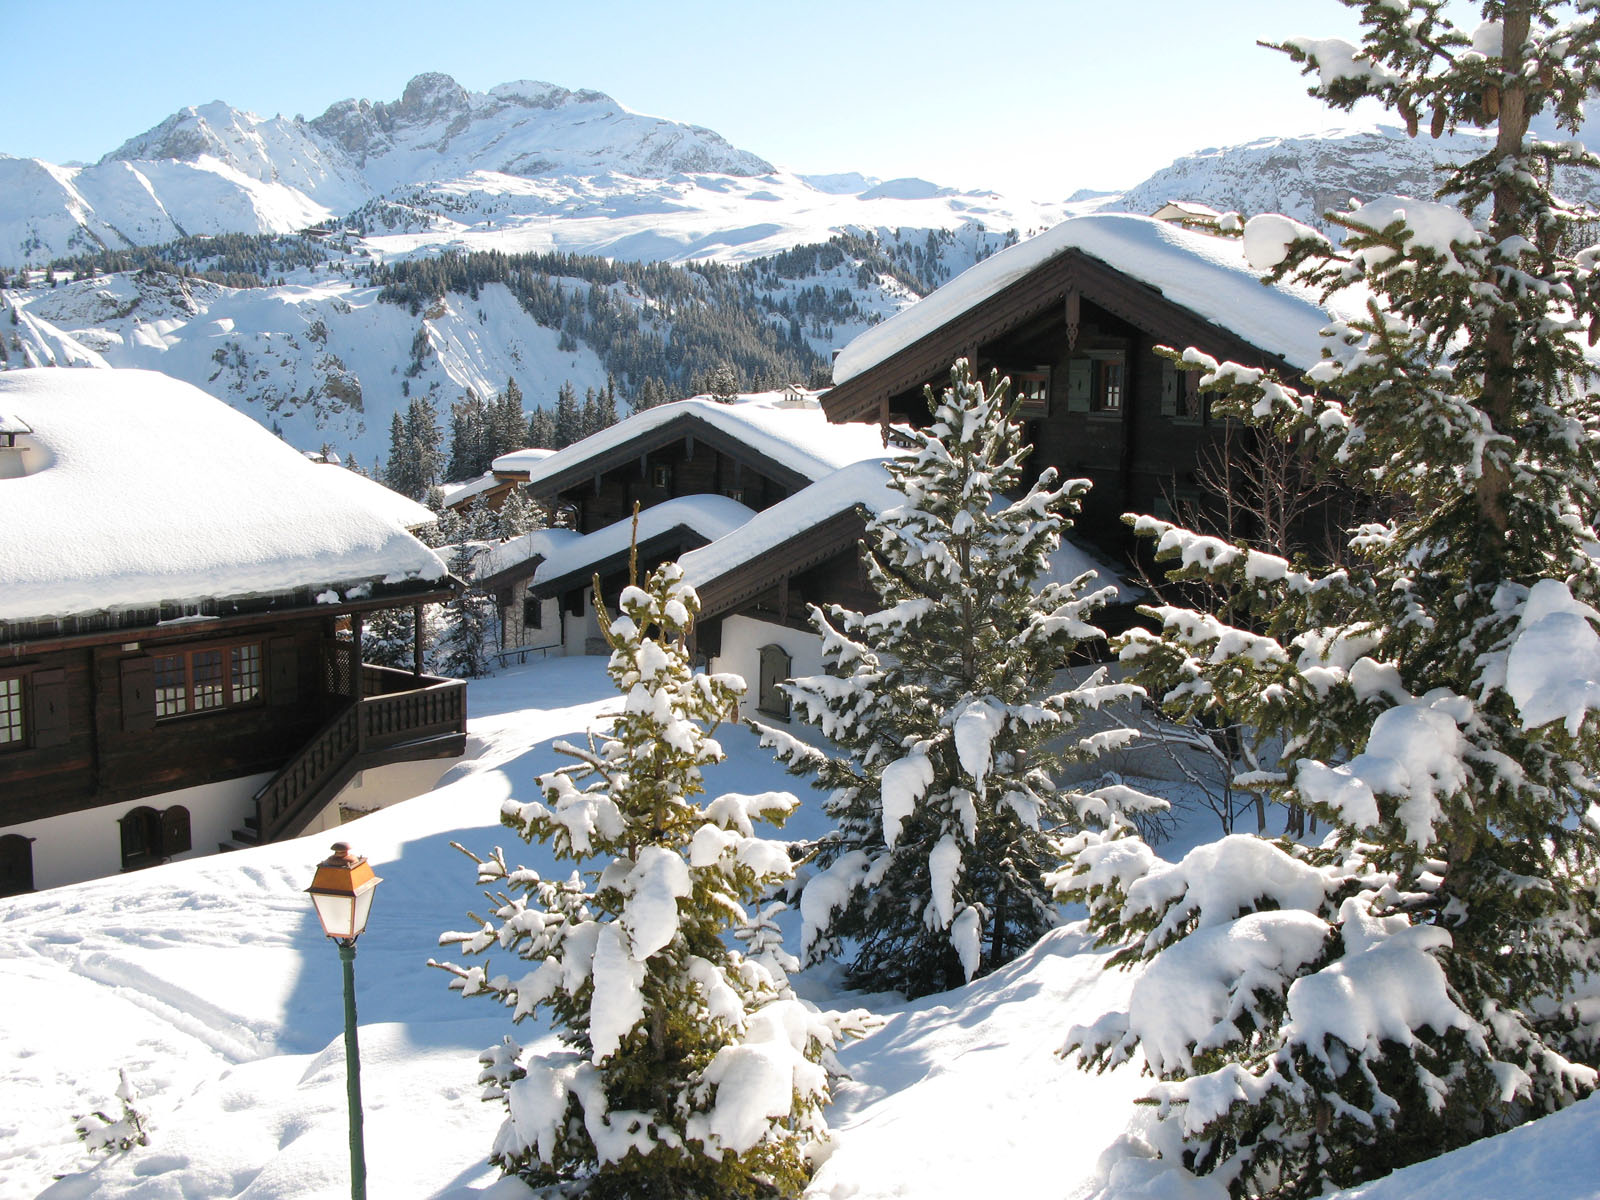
x: 98, y: 742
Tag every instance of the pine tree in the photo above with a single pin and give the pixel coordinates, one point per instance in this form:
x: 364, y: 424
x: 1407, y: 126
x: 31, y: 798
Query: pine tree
x: 388, y: 638
x: 947, y: 706
x: 1405, y: 987
x: 415, y: 461
x: 507, y: 424
x: 469, y: 438
x: 519, y: 515
x: 569, y: 417
x: 666, y: 1027
x: 395, y: 473
x: 542, y: 430
x: 467, y: 618
x: 722, y: 383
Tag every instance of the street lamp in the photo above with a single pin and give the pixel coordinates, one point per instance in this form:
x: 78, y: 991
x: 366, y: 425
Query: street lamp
x: 342, y: 892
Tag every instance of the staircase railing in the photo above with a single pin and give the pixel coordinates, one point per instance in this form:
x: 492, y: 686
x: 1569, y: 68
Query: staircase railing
x: 379, y: 723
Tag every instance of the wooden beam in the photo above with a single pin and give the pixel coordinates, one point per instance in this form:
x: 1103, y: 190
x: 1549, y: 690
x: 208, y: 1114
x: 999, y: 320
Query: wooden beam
x: 355, y: 656
x: 416, y: 639
x: 1074, y: 313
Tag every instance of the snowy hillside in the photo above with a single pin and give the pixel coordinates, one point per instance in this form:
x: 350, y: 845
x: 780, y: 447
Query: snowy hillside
x: 321, y: 359
x: 210, y: 983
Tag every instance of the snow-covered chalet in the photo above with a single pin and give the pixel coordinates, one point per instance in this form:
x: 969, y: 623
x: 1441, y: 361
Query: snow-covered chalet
x: 180, y: 598
x: 764, y: 501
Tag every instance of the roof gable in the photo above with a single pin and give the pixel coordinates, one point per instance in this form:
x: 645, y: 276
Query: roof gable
x: 794, y: 445
x: 1176, y: 284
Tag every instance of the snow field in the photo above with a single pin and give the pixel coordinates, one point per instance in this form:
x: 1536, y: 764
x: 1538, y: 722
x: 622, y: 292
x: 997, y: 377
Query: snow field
x: 210, y: 982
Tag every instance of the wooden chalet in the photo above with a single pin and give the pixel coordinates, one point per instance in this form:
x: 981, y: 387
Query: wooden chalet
x: 180, y: 609
x: 1073, y: 317
x: 697, y: 470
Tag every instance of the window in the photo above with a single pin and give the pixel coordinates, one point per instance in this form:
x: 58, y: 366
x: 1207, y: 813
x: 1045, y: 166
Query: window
x: 13, y: 734
x: 16, y: 864
x: 1031, y: 391
x: 776, y: 667
x: 150, y: 837
x: 1098, y: 382
x: 1110, y: 379
x: 533, y: 613
x: 195, y: 681
x: 661, y: 475
x: 1180, y: 399
x: 141, y: 838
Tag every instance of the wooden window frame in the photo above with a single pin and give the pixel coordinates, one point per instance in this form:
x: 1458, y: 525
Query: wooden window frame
x: 1181, y: 401
x: 168, y: 833
x: 16, y: 718
x: 532, y: 612
x: 1107, y: 364
x: 229, y: 701
x: 1031, y: 391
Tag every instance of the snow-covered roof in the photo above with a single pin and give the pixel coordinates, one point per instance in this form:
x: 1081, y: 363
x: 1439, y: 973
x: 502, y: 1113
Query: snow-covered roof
x: 535, y: 543
x: 865, y: 484
x: 711, y: 517
x: 798, y: 438
x: 456, y: 492
x: 1206, y: 275
x: 1185, y: 208
x: 516, y: 461
x: 140, y: 489
x: 365, y: 492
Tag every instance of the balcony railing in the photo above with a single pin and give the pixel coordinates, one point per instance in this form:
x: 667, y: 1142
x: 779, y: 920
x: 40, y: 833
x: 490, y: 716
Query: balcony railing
x: 399, y: 717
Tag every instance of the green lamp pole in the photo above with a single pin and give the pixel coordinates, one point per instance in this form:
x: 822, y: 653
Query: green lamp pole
x: 342, y: 892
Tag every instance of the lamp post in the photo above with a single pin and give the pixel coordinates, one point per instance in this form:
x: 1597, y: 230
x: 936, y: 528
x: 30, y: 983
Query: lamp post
x: 342, y: 892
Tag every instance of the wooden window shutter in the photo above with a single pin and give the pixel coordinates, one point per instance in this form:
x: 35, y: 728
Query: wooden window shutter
x: 49, y: 690
x: 1169, y: 390
x: 1080, y: 383
x: 138, y: 694
x: 175, y: 831
x: 283, y: 672
x: 16, y: 864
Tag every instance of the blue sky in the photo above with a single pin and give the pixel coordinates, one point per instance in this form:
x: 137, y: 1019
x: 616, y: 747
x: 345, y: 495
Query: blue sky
x: 1034, y: 98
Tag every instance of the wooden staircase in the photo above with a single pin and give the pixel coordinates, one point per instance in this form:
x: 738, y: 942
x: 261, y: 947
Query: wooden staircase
x: 399, y: 717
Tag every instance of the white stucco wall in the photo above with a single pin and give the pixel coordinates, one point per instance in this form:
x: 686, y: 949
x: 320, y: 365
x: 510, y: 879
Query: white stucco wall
x: 88, y: 844
x: 742, y: 639
x: 380, y: 787
x: 577, y: 632
x: 547, y: 635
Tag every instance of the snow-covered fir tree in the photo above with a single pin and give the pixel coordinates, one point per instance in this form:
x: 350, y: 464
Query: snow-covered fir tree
x: 1407, y: 986
x: 691, y: 1070
x: 519, y: 515
x: 950, y: 713
x: 467, y: 620
x: 388, y: 637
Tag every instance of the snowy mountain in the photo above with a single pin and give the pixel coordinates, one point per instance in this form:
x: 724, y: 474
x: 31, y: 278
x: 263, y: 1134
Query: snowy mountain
x: 526, y: 165
x: 1306, y: 176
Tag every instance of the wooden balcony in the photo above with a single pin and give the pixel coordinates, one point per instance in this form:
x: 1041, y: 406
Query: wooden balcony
x: 398, y: 717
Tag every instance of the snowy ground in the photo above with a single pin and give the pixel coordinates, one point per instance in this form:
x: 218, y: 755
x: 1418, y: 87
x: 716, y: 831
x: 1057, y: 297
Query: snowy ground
x: 210, y: 983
